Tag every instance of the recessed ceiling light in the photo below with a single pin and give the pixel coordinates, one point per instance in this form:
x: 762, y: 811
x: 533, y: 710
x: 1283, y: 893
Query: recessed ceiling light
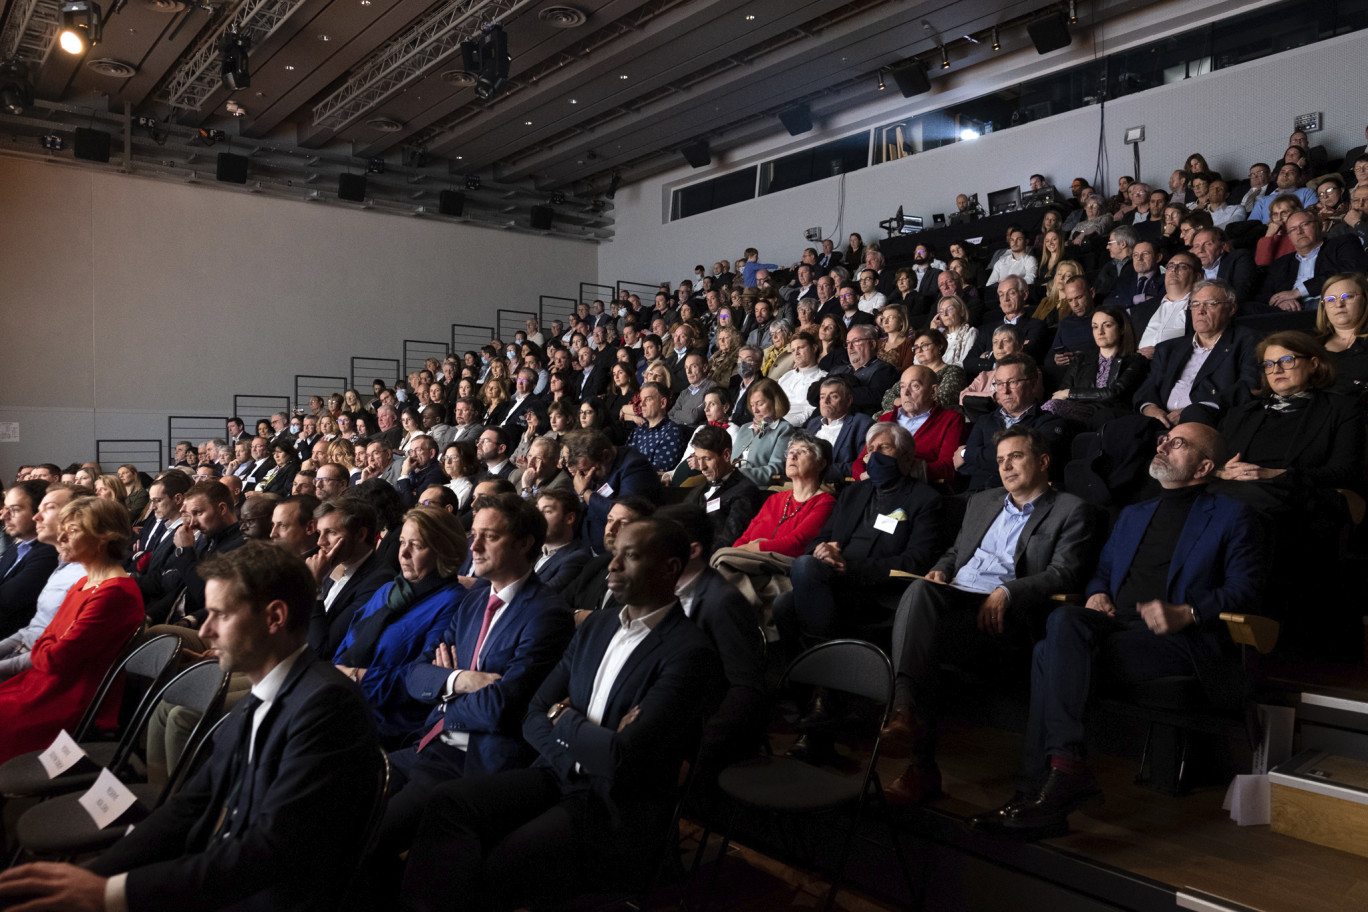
x: 623, y: 76
x: 460, y: 157
x: 574, y: 101
x: 365, y: 2
x: 324, y: 38
x: 750, y: 17
x: 527, y: 123
x: 289, y: 66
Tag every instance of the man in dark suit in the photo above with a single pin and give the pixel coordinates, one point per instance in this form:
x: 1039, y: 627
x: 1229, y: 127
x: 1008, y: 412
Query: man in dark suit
x: 420, y: 469
x: 277, y: 817
x: 1170, y: 568
x: 505, y: 636
x: 563, y: 554
x: 829, y: 258
x: 612, y: 724
x: 347, y: 568
x: 1223, y: 356
x: 1219, y: 261
x: 1142, y: 282
x: 166, y: 495
x: 27, y: 563
x: 590, y: 377
x: 729, y: 499
x: 848, y: 297
x: 1019, y: 545
x: 869, y: 376
x: 1294, y: 280
x: 588, y: 592
x: 237, y: 431
x: 722, y: 612
x: 1012, y: 292
x: 493, y: 448
x: 209, y: 509
x: 889, y: 522
x: 834, y: 404
x: 1118, y: 269
x: 601, y: 472
x: 1016, y: 379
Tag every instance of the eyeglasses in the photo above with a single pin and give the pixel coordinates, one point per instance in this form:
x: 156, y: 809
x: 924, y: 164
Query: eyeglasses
x: 1175, y: 443
x: 1177, y: 267
x: 1326, y: 193
x: 1285, y: 363
x: 846, y: 297
x: 1008, y: 384
x: 1346, y: 297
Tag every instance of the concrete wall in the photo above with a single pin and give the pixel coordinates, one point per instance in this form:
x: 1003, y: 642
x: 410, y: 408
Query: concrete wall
x: 123, y: 300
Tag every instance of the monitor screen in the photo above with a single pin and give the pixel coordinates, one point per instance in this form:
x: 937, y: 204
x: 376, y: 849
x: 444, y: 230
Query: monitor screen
x: 1004, y: 201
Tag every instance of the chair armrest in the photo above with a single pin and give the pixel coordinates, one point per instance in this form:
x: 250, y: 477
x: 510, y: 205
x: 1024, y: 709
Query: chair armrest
x: 1252, y: 630
x: 1068, y: 598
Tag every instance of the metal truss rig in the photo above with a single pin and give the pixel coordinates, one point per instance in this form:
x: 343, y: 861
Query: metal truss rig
x: 30, y: 30
x: 408, y: 57
x: 198, y: 75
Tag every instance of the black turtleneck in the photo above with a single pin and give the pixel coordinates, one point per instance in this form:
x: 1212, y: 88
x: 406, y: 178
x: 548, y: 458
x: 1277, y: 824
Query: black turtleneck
x: 1148, y: 575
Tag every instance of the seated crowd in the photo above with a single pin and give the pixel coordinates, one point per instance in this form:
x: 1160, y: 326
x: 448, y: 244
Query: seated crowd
x: 543, y: 564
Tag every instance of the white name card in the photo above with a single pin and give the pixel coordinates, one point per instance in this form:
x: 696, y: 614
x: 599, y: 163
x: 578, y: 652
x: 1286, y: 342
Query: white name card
x: 885, y: 523
x: 62, y: 755
x: 107, y: 799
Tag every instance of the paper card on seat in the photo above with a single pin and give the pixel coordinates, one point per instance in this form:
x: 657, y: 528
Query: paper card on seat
x: 62, y: 755
x: 107, y: 799
x: 1248, y: 800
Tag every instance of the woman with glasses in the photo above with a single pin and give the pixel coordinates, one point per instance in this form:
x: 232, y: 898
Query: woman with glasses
x: 1332, y: 204
x: 722, y: 363
x: 461, y: 465
x: 952, y: 318
x: 1342, y: 327
x: 928, y: 350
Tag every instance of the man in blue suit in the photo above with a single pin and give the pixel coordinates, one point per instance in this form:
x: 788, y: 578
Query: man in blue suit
x: 503, y: 639
x: 839, y: 425
x: 277, y: 817
x: 564, y: 554
x: 601, y: 472
x: 612, y: 724
x: 1170, y: 568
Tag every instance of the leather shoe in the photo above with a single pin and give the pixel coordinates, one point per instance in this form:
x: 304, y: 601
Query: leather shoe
x: 819, y: 711
x: 991, y: 821
x: 811, y: 748
x: 1061, y: 795
x: 902, y: 735
x: 916, y: 786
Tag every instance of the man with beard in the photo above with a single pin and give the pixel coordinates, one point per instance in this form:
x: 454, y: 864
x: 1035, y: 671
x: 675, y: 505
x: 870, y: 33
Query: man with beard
x: 1170, y: 568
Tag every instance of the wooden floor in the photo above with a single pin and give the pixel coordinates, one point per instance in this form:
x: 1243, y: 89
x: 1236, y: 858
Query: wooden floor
x: 1185, y: 843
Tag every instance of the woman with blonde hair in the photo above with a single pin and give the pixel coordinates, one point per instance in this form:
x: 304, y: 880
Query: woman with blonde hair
x: 1342, y: 327
x: 351, y: 402
x: 327, y: 426
x: 108, y: 487
x: 136, y: 497
x: 895, y: 347
x: 343, y: 452
x: 1055, y: 305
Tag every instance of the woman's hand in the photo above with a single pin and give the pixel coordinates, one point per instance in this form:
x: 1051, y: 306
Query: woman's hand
x: 1238, y: 470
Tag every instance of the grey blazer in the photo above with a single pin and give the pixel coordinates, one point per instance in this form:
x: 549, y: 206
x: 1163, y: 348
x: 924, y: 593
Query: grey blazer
x: 1055, y: 553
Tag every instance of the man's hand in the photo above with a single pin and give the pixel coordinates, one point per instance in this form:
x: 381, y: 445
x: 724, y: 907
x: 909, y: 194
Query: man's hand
x: 210, y: 653
x: 629, y: 718
x: 471, y: 681
x: 1147, y: 351
x: 445, y: 657
x: 830, y: 553
x: 185, y: 536
x: 356, y: 674
x: 51, y: 887
x: 1236, y: 469
x: 582, y: 615
x: 1286, y: 300
x: 1060, y: 394
x: 1103, y: 603
x: 959, y: 458
x: 1352, y: 218
x: 1158, y: 414
x: 938, y: 576
x: 1063, y: 358
x: 1164, y: 617
x: 993, y: 612
x: 408, y: 463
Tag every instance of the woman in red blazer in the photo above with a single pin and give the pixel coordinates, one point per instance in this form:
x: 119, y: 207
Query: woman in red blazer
x: 84, y: 638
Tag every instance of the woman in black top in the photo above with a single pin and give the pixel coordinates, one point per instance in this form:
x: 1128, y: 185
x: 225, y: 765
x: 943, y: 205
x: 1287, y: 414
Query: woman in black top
x: 1099, y: 382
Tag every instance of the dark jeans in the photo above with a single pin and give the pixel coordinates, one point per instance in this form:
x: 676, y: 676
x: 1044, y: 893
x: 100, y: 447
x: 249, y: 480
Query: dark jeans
x: 1123, y: 651
x: 823, y: 604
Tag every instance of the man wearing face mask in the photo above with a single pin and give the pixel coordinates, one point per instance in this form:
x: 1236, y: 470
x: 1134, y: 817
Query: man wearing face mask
x: 890, y: 521
x: 747, y: 372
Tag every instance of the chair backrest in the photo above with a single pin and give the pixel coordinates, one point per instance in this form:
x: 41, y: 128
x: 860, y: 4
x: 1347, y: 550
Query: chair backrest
x: 191, y: 759
x: 150, y: 660
x: 200, y: 688
x: 851, y: 666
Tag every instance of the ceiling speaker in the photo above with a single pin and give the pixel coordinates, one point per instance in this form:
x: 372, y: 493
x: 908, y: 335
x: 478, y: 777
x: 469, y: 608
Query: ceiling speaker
x: 541, y: 218
x: 911, y: 79
x: 1050, y: 33
x: 796, y: 120
x: 232, y: 169
x: 451, y: 202
x: 92, y: 145
x: 351, y: 187
x: 697, y: 155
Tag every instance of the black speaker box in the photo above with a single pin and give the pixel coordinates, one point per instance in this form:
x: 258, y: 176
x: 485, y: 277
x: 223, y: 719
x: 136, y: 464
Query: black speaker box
x: 232, y: 169
x: 351, y: 187
x: 912, y: 79
x: 796, y: 120
x: 1050, y: 33
x: 451, y: 202
x: 541, y: 217
x: 697, y: 154
x: 92, y: 145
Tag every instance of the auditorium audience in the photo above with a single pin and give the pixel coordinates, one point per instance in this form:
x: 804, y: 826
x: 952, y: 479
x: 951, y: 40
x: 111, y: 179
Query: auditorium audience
x: 1342, y: 327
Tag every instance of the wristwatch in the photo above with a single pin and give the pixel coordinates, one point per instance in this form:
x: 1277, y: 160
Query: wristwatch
x: 556, y: 709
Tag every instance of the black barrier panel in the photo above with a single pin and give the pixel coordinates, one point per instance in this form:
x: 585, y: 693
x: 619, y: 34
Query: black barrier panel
x: 364, y: 370
x: 590, y: 291
x: 555, y: 308
x: 197, y: 429
x: 468, y: 337
x: 144, y: 455
x: 252, y: 409
x: 510, y: 321
x: 417, y: 351
x: 307, y: 385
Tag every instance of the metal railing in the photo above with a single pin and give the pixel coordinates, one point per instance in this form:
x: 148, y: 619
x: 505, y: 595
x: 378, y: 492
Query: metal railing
x: 144, y: 455
x: 252, y: 409
x: 308, y: 385
x: 364, y: 370
x: 196, y: 429
x: 507, y: 322
x: 469, y: 337
x: 417, y: 351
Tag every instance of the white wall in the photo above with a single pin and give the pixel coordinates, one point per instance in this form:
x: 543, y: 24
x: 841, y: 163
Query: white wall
x: 1234, y: 117
x: 123, y: 300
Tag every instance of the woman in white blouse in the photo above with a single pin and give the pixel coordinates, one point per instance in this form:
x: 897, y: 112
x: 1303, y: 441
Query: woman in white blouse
x: 952, y: 318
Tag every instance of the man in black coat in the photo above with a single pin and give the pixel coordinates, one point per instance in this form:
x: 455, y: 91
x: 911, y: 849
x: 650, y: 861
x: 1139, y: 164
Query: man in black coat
x: 729, y: 499
x: 347, y: 567
x: 1285, y: 287
x: 1017, y: 382
x: 27, y: 563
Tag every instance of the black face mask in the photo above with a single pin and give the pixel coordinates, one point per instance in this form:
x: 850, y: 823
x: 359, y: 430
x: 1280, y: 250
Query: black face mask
x: 745, y: 369
x: 883, y: 469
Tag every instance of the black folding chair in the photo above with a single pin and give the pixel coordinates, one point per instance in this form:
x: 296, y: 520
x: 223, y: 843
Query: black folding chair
x: 789, y: 786
x: 151, y: 662
x: 61, y: 828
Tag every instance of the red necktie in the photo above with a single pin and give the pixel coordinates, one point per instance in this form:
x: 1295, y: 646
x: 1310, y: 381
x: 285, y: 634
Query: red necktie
x: 495, y: 603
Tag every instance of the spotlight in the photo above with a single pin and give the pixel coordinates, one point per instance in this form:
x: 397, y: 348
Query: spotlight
x: 16, y: 89
x: 486, y: 58
x: 1073, y: 13
x: 557, y: 198
x: 997, y: 46
x: 53, y: 143
x: 236, y: 74
x: 81, y: 25
x: 472, y: 182
x: 881, y: 85
x: 945, y: 58
x: 375, y: 166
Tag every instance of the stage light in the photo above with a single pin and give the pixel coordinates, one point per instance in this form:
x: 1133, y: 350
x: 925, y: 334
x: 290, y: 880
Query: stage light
x: 236, y: 73
x: 472, y: 182
x: 557, y: 198
x: 486, y: 58
x: 881, y: 85
x: 81, y: 25
x: 945, y: 58
x: 997, y: 45
x: 53, y: 143
x: 16, y: 89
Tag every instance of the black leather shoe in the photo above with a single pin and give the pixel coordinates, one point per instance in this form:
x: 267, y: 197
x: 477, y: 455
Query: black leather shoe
x: 812, y: 748
x: 1061, y: 795
x: 991, y: 821
x: 819, y: 711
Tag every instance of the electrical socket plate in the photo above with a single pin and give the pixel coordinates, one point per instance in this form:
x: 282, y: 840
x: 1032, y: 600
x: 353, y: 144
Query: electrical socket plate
x: 813, y: 235
x: 1307, y: 123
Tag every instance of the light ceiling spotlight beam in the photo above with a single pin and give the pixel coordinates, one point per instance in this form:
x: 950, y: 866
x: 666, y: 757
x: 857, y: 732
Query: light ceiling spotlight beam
x: 82, y: 26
